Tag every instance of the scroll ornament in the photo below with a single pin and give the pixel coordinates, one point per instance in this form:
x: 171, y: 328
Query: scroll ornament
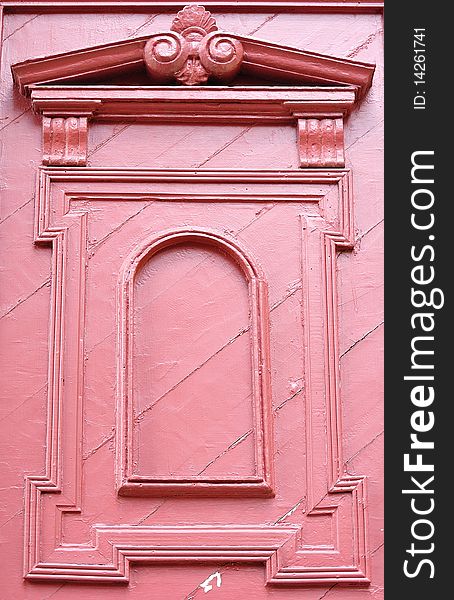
x: 193, y: 50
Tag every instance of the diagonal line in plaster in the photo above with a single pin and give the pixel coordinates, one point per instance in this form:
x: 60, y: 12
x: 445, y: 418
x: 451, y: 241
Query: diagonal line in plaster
x: 100, y: 242
x: 53, y: 593
x: 169, y: 148
x: 365, y: 446
x: 364, y: 44
x: 369, y: 230
x: 140, y: 521
x: 174, y: 282
x: 21, y: 27
x: 16, y: 210
x: 258, y: 216
x: 232, y: 445
x: 291, y: 511
x: 16, y: 118
x: 293, y: 288
x: 22, y: 403
x: 144, y: 24
x: 369, y: 291
x: 377, y: 548
x: 102, y: 144
x: 100, y: 445
x: 327, y: 591
x: 364, y: 134
x: 22, y: 300
x: 202, y: 364
x: 87, y: 354
x: 226, y: 145
x: 248, y: 433
x: 16, y: 514
x: 282, y: 404
x: 361, y: 338
x: 265, y: 22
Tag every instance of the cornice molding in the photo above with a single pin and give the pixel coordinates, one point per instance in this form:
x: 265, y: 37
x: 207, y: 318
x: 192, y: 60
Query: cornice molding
x: 301, y: 6
x: 211, y: 104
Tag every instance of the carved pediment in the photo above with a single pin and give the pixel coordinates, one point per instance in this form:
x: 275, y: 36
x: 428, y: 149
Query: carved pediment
x: 167, y: 77
x: 194, y: 52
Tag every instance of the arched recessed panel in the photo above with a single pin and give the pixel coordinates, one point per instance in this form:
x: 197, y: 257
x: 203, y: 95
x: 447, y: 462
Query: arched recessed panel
x: 194, y: 375
x: 192, y: 378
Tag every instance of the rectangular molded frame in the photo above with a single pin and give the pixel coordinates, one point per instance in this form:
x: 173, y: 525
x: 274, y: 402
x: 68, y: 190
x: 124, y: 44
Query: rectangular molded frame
x: 338, y: 497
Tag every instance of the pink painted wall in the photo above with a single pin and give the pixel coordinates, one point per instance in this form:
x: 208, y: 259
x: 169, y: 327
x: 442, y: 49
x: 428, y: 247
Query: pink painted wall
x: 25, y: 301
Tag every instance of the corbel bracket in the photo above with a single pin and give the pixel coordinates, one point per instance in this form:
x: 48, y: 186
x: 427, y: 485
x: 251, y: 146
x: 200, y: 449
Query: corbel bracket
x: 320, y: 134
x: 65, y: 131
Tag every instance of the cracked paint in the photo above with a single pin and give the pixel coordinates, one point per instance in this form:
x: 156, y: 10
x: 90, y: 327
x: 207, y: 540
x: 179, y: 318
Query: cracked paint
x: 363, y: 337
x: 365, y: 44
x: 265, y: 22
x: 207, y: 585
x: 290, y: 512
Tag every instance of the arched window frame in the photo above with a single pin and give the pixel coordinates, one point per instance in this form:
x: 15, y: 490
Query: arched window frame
x: 261, y: 484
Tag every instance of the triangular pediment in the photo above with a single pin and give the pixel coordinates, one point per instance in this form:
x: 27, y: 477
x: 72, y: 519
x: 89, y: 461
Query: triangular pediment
x: 192, y: 53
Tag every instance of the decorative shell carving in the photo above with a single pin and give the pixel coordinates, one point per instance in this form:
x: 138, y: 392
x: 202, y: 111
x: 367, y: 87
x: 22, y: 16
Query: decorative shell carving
x: 193, y: 50
x: 194, y: 18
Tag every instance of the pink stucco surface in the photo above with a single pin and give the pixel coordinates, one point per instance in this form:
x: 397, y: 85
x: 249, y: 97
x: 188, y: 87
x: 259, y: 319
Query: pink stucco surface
x: 188, y: 301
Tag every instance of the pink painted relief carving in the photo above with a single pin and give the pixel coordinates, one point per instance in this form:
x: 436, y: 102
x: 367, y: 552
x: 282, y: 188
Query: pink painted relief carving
x: 196, y: 399
x: 195, y: 342
x: 192, y: 52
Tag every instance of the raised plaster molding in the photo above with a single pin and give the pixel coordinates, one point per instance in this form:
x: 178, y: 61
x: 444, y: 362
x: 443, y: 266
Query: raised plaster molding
x: 193, y: 50
x: 304, y: 6
x: 332, y: 496
x: 280, y: 64
x: 314, y: 91
x: 65, y: 133
x: 193, y: 36
x: 203, y: 104
x: 130, y: 484
x: 65, y: 141
x: 321, y: 141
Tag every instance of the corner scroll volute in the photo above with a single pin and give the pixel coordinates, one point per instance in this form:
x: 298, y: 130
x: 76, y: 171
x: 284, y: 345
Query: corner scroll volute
x: 165, y: 54
x: 221, y: 55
